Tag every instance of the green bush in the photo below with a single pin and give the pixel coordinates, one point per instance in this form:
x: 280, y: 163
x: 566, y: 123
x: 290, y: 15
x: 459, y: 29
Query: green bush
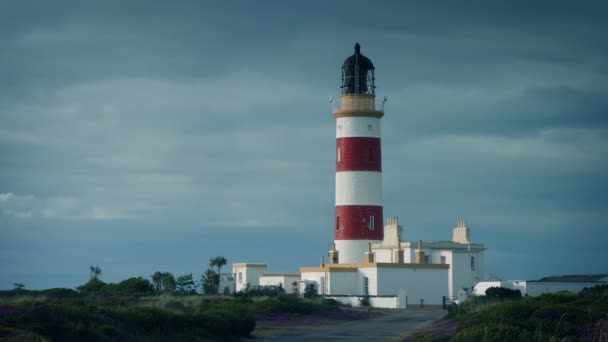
x: 502, y: 292
x: 365, y: 302
x: 552, y: 316
x: 60, y: 293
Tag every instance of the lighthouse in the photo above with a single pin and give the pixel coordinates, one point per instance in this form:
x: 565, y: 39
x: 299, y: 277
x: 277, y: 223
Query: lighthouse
x: 358, y: 218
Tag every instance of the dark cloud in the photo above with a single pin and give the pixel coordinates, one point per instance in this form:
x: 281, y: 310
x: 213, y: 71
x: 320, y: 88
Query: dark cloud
x: 210, y: 123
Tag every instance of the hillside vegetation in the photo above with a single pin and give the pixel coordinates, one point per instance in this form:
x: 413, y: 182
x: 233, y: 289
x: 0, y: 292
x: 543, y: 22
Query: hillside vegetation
x: 63, y: 314
x: 550, y: 317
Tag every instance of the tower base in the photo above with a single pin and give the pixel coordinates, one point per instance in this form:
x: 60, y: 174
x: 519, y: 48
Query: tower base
x: 353, y: 251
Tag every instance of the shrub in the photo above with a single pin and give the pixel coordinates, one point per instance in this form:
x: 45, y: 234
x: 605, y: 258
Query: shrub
x: 93, y: 285
x: 174, y: 305
x: 365, y: 301
x: 60, y: 293
x: 502, y: 292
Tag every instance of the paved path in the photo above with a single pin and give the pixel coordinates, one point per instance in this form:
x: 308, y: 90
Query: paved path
x: 390, y: 327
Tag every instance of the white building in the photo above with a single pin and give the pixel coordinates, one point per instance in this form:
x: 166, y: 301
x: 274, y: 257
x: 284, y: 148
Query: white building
x: 552, y: 284
x: 247, y: 274
x: 425, y: 272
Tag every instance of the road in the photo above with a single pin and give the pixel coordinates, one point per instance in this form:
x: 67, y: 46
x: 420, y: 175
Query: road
x: 393, y: 326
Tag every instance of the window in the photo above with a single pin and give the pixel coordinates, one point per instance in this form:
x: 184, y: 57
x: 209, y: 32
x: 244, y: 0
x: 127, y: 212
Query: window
x: 337, y: 222
x: 442, y: 259
x: 240, y: 277
x: 473, y: 263
x: 365, y: 286
x: 339, y: 156
x: 371, y: 223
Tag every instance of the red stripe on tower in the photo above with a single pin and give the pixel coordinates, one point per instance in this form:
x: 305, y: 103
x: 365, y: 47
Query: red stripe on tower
x: 358, y: 154
x: 361, y: 221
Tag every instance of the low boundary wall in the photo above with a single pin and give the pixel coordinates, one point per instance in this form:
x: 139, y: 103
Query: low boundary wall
x: 388, y: 302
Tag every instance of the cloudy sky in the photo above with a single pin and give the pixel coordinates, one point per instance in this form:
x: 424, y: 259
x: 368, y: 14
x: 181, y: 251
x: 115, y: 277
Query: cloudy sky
x: 143, y: 136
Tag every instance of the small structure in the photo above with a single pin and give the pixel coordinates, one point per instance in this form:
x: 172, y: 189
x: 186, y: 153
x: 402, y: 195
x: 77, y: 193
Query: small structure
x: 247, y: 274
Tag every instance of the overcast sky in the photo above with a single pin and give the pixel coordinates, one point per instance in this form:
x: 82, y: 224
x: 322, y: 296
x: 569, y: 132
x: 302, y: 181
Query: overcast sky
x: 143, y: 136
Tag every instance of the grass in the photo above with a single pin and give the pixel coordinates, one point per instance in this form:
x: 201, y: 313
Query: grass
x: 549, y: 317
x: 39, y: 316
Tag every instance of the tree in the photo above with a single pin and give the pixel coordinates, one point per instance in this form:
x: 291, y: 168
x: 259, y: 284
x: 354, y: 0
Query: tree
x: 210, y: 281
x: 134, y: 285
x: 185, y: 284
x: 168, y: 282
x: 95, y: 272
x: 218, y: 262
x: 19, y: 286
x: 163, y: 281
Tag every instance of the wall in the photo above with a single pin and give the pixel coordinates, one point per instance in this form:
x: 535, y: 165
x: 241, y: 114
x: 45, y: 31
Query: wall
x: 481, y: 287
x: 462, y: 274
x: 283, y: 280
x: 388, y: 302
x: 429, y: 285
x: 251, y: 275
x: 372, y: 275
x: 310, y: 277
x: 344, y: 283
x: 382, y: 255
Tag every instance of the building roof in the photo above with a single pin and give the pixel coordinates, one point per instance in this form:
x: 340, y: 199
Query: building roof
x: 354, y: 267
x: 576, y: 278
x: 247, y: 264
x: 436, y: 245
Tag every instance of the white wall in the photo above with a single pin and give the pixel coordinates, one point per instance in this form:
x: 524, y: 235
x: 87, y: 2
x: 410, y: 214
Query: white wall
x: 250, y: 275
x: 376, y: 302
x: 482, y: 286
x: 352, y: 251
x: 382, y: 255
x: 372, y: 275
x: 283, y: 280
x: 462, y: 274
x: 311, y: 277
x: 419, y: 283
x: 344, y: 283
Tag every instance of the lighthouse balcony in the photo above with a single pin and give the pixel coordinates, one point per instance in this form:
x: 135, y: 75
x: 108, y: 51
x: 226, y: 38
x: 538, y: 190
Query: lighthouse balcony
x: 358, y: 105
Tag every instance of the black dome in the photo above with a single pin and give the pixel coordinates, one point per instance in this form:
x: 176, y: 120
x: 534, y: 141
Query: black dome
x: 358, y: 58
x: 358, y: 74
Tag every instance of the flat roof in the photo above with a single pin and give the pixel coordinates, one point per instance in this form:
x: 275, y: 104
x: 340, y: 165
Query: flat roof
x: 575, y: 278
x: 247, y: 264
x: 356, y: 266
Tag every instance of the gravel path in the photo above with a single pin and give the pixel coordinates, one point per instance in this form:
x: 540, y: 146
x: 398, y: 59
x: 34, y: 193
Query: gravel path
x: 393, y: 326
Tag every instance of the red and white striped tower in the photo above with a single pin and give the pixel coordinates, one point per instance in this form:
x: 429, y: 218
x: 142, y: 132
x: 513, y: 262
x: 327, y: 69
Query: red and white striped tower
x: 358, y: 220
